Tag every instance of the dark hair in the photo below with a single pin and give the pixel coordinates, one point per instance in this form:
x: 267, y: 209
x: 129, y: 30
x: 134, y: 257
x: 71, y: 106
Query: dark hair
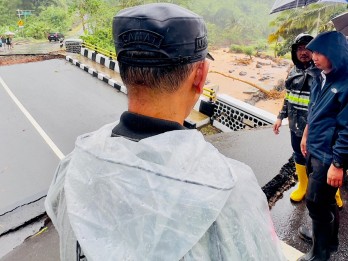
x: 161, y: 79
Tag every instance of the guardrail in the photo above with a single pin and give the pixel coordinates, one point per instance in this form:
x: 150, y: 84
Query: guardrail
x: 210, y: 92
x: 109, y: 54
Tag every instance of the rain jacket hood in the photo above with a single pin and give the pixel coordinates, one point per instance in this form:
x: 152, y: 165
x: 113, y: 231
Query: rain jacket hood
x: 334, y: 46
x: 157, y: 199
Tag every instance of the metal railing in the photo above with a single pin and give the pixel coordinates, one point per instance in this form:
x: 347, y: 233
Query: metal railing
x: 109, y: 54
x: 210, y: 92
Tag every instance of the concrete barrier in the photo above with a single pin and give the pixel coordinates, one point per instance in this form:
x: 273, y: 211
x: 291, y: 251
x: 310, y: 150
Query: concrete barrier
x: 101, y: 59
x: 115, y: 84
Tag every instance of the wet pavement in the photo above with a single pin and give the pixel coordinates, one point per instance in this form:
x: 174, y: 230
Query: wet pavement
x: 39, y: 247
x: 62, y: 102
x: 27, y: 47
x: 288, y: 217
x: 266, y: 153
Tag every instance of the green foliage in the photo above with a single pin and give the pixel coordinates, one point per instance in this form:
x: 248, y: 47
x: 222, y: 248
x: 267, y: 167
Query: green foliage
x: 237, y: 22
x: 129, y: 3
x: 101, y: 38
x: 213, y: 34
x: 312, y: 19
x: 8, y: 12
x: 232, y: 23
x: 41, y: 17
x: 261, y: 45
x: 37, y: 29
x: 228, y: 21
x: 57, y: 18
x: 248, y: 50
x: 51, y: 19
x: 101, y: 18
x: 99, y: 25
x: 37, y: 5
x: 236, y: 48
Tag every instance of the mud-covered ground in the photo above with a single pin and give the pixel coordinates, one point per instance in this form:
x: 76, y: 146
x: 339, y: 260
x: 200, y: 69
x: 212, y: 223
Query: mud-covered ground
x: 23, y: 58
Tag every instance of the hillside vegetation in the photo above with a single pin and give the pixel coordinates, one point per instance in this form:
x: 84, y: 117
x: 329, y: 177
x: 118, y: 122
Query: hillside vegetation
x: 231, y: 23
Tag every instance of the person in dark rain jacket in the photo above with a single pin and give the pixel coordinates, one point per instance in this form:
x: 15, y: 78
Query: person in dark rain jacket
x: 325, y: 141
x: 295, y: 106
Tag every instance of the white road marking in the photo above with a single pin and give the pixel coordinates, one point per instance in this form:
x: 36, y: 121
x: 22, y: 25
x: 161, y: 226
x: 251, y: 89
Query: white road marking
x: 43, y: 134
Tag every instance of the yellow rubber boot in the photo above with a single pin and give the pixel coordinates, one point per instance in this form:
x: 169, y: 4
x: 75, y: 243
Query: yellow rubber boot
x: 299, y: 193
x: 339, y: 201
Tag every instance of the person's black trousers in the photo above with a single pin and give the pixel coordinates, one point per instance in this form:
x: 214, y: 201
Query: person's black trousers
x: 321, y: 204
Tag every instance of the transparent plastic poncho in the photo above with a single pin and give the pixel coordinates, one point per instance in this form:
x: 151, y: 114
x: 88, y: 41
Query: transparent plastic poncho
x: 169, y: 197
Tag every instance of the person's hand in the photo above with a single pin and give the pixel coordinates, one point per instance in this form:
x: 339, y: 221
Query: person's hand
x: 276, y: 126
x: 335, y: 176
x: 303, y: 144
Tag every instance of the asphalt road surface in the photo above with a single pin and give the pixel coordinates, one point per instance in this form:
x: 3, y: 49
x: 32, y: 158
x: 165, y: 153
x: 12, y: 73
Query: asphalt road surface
x: 44, y: 107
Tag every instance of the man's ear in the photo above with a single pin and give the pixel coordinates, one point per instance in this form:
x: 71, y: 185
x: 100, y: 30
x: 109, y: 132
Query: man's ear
x: 201, y: 75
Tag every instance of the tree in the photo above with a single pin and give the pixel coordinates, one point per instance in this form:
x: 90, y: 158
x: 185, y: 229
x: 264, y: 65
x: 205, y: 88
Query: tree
x: 85, y: 9
x: 313, y: 19
x: 8, y: 12
x: 51, y: 19
x: 56, y: 17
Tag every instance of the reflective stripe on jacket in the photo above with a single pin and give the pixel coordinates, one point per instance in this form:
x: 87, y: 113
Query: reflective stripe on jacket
x: 295, y: 106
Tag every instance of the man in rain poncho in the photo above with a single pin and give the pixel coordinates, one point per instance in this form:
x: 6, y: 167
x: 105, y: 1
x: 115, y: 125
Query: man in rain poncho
x: 146, y: 188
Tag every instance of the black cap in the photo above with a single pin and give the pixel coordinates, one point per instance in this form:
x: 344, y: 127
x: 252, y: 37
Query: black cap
x: 179, y: 35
